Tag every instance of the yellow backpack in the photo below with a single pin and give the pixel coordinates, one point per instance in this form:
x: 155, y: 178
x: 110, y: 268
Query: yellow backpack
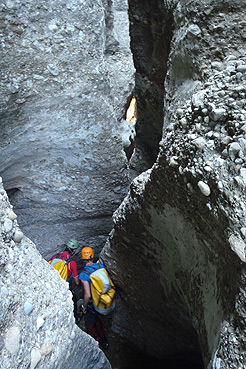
x: 102, y: 291
x: 60, y: 265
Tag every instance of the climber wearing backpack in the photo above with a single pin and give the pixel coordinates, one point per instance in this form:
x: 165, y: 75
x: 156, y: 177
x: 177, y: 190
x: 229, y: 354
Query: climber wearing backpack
x: 71, y: 265
x: 67, y: 267
x: 98, y: 295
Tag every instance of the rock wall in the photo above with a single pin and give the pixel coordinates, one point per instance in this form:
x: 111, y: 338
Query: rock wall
x: 66, y: 78
x: 177, y: 251
x: 36, y: 317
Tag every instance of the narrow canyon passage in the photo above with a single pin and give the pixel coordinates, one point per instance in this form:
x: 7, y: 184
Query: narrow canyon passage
x: 151, y: 30
x: 123, y: 126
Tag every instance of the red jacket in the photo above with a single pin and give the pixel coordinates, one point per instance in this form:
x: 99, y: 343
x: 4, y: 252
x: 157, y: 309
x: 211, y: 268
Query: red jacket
x: 71, y: 266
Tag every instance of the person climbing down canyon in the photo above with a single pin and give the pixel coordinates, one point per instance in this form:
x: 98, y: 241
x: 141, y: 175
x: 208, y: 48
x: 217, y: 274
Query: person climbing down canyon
x: 67, y: 268
x: 91, y: 308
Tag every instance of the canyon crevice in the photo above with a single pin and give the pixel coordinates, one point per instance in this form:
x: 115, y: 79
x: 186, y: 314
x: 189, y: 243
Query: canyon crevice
x: 176, y: 245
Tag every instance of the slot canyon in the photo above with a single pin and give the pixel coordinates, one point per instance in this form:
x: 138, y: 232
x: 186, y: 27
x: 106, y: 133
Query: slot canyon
x: 123, y: 125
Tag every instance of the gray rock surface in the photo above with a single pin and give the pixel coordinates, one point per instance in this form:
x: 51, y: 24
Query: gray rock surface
x: 36, y: 316
x: 177, y: 251
x: 66, y: 77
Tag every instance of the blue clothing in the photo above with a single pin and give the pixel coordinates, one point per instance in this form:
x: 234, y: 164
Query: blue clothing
x: 93, y: 323
x: 91, y: 315
x: 91, y: 268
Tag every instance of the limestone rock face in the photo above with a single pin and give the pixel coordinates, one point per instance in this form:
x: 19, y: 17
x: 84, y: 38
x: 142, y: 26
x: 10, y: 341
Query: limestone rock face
x: 36, y: 318
x: 66, y: 78
x: 177, y: 251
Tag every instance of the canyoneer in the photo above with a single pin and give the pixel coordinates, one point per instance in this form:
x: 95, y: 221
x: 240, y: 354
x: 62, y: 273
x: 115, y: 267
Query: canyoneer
x: 95, y: 277
x: 67, y: 268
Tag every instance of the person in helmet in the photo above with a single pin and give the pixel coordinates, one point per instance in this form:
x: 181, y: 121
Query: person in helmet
x: 71, y: 247
x: 93, y: 323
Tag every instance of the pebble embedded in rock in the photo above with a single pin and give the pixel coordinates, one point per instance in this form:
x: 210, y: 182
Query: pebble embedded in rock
x: 243, y: 173
x: 200, y: 143
x: 12, y: 215
x: 35, y: 357
x: 241, y: 68
x: 28, y: 307
x: 8, y: 225
x: 239, y: 180
x: 208, y: 169
x: 117, y: 189
x: 12, y: 340
x: 233, y: 150
x: 173, y: 161
x: 243, y: 231
x: 193, y: 30
x: 9, y: 268
x: 238, y: 246
x: 189, y: 186
x: 206, y: 120
x: 217, y: 114
x: 204, y: 188
x: 40, y: 322
x: 9, y: 4
x: 184, y: 122
x: 46, y: 349
x: 18, y: 235
x: 198, y: 99
x: 179, y: 112
x: 73, y: 335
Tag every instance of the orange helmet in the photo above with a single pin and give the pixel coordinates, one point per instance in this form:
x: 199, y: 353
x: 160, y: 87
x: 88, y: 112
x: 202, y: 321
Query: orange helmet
x: 87, y: 253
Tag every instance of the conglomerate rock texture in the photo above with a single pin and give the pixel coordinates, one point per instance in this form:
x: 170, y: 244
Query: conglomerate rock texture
x: 177, y: 251
x: 66, y: 78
